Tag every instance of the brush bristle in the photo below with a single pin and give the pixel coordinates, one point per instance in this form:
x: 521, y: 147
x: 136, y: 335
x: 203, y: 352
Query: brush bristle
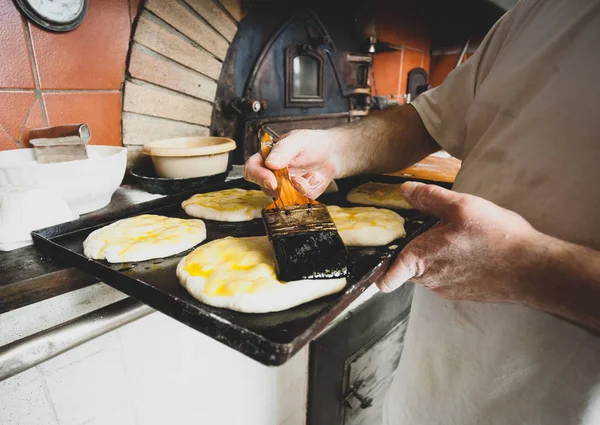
x: 315, y: 255
x: 306, y: 242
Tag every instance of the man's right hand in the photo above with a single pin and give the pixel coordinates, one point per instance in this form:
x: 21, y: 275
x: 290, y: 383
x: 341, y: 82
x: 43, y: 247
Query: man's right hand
x: 387, y: 141
x: 309, y: 156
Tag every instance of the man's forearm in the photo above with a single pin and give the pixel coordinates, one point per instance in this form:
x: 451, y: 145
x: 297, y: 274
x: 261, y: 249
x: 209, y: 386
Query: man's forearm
x: 567, y: 282
x: 383, y: 142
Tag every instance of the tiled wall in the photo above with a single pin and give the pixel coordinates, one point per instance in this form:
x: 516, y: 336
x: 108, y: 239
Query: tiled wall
x: 402, y: 23
x: 76, y: 77
x: 154, y: 371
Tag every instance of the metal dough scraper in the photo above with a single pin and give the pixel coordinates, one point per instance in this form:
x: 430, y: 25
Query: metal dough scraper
x: 60, y: 143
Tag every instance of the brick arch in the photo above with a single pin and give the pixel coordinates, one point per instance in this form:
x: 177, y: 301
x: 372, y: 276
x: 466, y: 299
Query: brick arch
x: 175, y: 57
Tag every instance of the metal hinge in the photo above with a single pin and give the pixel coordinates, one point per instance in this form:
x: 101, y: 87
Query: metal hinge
x: 365, y: 402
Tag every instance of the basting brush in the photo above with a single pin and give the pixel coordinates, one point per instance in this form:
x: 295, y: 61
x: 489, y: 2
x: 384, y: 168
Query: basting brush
x: 305, y: 240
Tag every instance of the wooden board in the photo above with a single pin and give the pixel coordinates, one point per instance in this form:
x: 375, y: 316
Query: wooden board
x: 433, y: 168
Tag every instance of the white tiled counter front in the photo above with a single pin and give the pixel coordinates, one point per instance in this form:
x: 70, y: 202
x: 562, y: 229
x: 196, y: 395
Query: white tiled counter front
x: 151, y: 371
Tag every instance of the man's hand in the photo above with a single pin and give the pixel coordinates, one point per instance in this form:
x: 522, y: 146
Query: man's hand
x: 478, y: 251
x: 308, y: 156
x: 482, y: 252
x: 383, y: 142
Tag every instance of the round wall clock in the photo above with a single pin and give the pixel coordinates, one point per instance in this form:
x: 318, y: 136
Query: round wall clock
x: 55, y: 15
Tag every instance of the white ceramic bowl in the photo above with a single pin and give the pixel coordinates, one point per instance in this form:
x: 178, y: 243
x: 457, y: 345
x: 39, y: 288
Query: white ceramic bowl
x: 188, y: 157
x: 85, y: 185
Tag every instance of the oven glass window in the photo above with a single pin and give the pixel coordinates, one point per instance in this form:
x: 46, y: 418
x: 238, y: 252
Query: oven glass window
x: 305, y: 77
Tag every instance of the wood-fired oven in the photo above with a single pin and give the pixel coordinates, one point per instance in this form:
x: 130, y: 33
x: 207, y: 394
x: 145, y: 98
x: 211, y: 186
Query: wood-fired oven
x: 292, y: 66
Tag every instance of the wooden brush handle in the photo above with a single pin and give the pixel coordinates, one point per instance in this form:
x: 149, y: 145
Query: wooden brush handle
x: 287, y: 195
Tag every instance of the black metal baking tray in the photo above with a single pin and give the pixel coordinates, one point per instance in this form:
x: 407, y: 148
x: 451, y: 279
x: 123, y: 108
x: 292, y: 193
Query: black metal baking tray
x: 270, y: 338
x: 146, y: 177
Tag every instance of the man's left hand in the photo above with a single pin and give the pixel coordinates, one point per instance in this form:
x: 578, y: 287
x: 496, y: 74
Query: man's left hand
x: 478, y: 251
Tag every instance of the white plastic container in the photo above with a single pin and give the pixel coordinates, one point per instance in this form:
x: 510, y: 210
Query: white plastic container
x: 85, y: 185
x: 188, y: 157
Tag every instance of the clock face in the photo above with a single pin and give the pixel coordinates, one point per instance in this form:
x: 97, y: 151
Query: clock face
x: 55, y: 15
x: 59, y: 11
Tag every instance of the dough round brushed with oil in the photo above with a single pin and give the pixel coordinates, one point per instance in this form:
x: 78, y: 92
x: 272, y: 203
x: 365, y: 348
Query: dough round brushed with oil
x: 227, y: 205
x: 367, y: 226
x: 239, y: 274
x: 143, y: 238
x: 379, y: 195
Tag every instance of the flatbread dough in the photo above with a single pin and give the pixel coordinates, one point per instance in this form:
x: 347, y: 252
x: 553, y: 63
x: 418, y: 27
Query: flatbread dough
x: 379, y: 195
x: 227, y: 205
x: 143, y: 238
x: 367, y: 226
x: 239, y: 274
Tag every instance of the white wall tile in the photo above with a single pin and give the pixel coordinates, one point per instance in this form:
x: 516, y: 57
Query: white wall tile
x: 291, y: 399
x: 83, y: 390
x: 14, y: 383
x: 158, y: 371
x: 297, y: 418
x: 119, y: 415
x: 104, y: 342
x: 257, y: 416
x: 205, y: 381
x: 200, y: 378
x: 288, y: 389
x: 293, y: 370
x: 26, y: 405
x: 33, y: 318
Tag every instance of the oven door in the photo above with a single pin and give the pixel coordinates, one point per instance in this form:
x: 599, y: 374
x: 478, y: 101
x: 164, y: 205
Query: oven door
x: 352, y: 364
x: 298, y: 78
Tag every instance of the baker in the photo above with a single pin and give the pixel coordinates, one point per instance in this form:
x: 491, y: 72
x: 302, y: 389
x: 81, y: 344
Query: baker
x: 505, y: 320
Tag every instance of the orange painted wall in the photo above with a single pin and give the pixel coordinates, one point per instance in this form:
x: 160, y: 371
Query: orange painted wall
x: 441, y: 66
x: 51, y: 79
x: 402, y: 23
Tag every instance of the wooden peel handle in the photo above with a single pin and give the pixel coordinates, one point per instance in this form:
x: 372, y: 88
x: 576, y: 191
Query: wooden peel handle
x: 287, y: 195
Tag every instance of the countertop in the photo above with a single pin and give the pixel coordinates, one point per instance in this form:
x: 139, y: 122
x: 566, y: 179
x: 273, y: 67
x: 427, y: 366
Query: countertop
x: 29, y: 276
